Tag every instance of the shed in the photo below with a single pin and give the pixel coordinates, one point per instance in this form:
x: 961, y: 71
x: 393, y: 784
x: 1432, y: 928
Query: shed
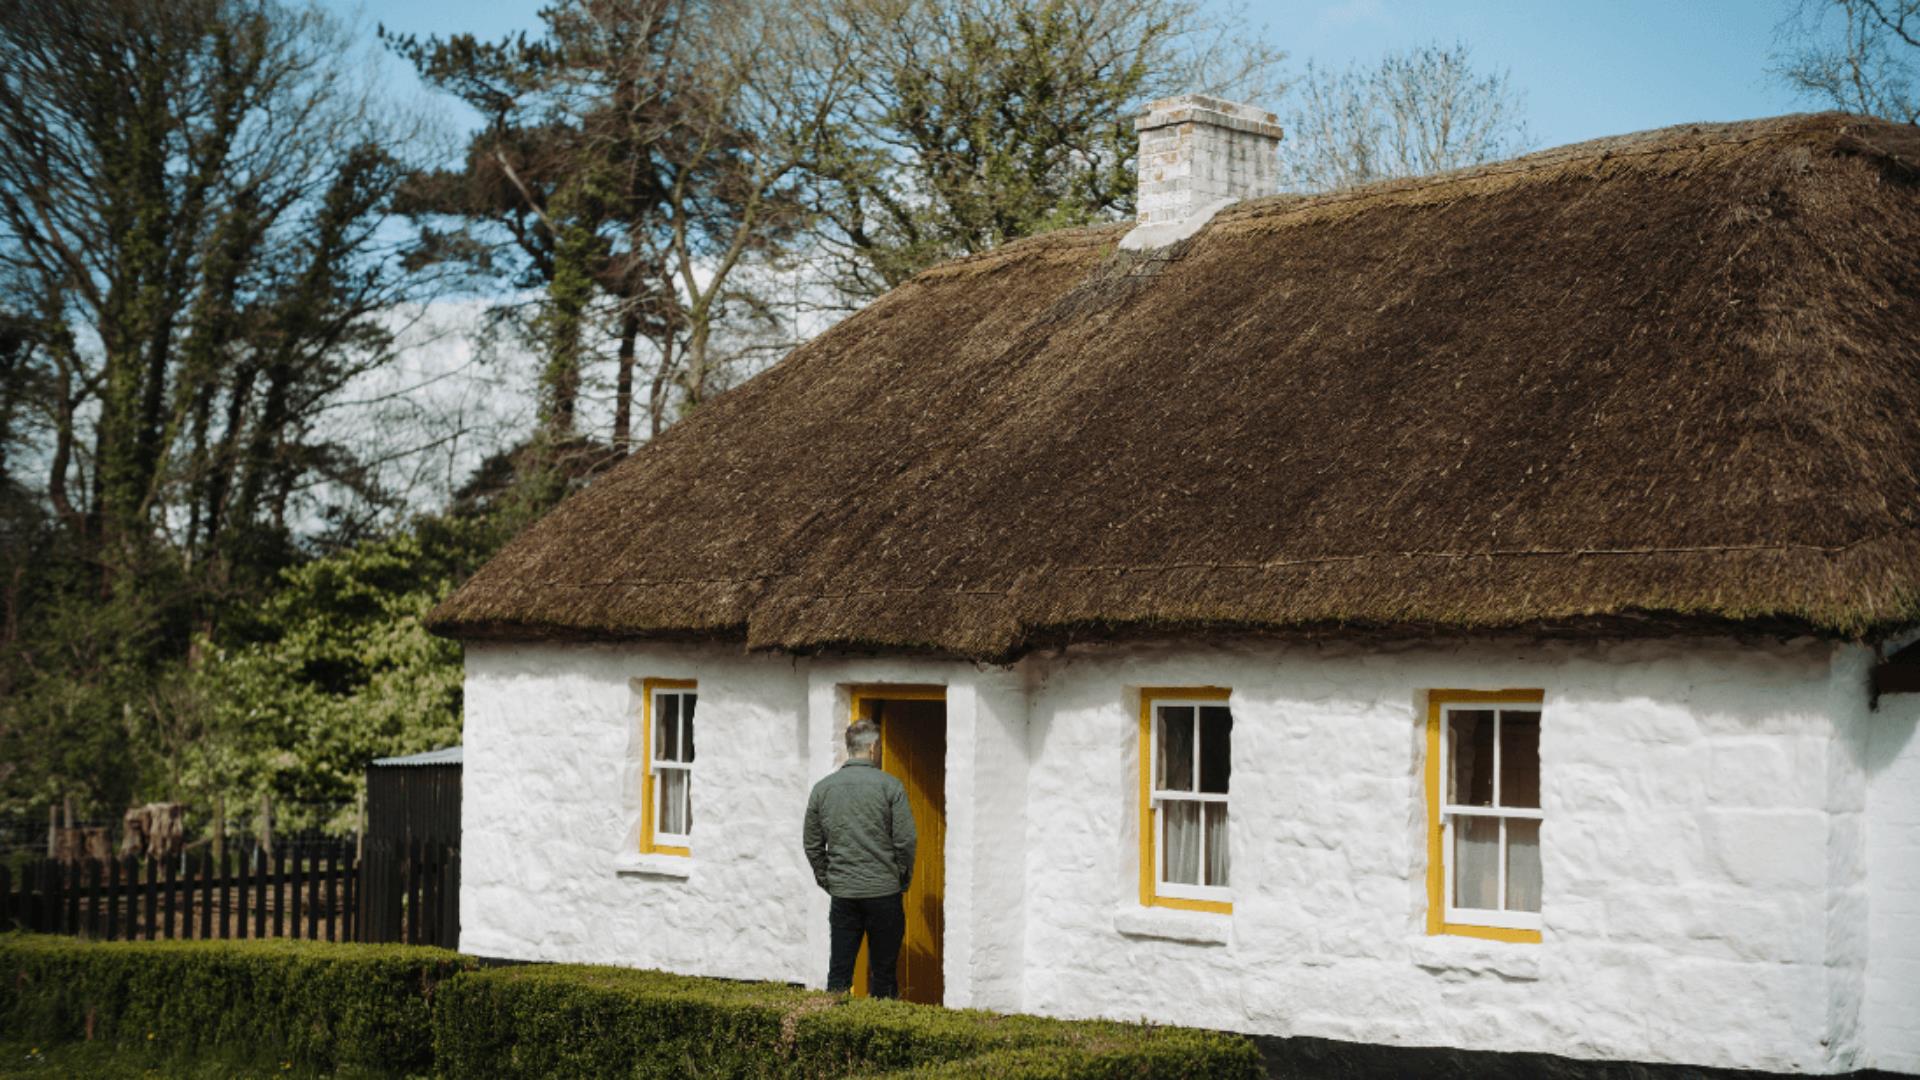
x: 412, y: 855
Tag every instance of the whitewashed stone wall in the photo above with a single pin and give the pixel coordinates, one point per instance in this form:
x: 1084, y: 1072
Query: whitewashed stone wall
x: 1893, y: 855
x: 1687, y: 854
x: 550, y: 814
x: 1711, y: 809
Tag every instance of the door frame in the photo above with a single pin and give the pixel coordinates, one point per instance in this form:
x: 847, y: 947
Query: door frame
x: 858, y: 697
x: 860, y: 694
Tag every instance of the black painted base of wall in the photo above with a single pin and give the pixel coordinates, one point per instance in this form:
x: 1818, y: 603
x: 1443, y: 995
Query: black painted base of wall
x: 1329, y: 1059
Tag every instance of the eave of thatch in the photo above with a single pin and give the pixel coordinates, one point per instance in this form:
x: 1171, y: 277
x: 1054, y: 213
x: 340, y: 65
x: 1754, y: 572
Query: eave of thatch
x: 1656, y: 383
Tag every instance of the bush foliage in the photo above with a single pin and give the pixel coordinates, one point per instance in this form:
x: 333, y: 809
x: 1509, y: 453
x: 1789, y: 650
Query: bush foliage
x: 391, y: 1009
x: 323, y: 1005
x: 567, y: 1020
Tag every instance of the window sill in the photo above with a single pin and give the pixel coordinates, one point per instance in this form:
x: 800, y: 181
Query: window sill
x: 1172, y: 924
x: 664, y: 866
x: 1517, y: 961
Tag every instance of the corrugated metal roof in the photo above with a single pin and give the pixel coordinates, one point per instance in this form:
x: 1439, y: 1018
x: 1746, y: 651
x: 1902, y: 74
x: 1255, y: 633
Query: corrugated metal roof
x: 449, y: 755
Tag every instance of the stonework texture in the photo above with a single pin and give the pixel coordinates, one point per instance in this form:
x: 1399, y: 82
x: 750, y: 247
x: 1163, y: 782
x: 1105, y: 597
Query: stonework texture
x: 1197, y: 151
x: 1892, y: 1015
x: 1731, y: 847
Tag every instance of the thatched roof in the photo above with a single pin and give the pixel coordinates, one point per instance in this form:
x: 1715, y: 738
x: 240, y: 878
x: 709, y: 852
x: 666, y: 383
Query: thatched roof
x: 1668, y: 381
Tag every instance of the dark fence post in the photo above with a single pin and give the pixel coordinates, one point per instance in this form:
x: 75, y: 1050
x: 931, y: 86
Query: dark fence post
x: 299, y: 883
x: 56, y: 901
x: 350, y: 897
x: 113, y: 898
x: 280, y: 890
x: 185, y: 862
x: 96, y: 918
x: 71, y: 871
x: 313, y: 892
x: 168, y: 899
x: 242, y: 905
x: 262, y: 870
x: 153, y: 897
x: 227, y: 896
x: 333, y: 892
x: 6, y: 899
x: 206, y: 895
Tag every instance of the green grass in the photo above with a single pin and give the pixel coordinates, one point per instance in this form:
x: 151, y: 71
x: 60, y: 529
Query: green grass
x: 20, y: 1060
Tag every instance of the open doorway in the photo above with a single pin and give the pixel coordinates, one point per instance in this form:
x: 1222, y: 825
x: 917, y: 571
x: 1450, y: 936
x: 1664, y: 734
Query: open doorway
x: 913, y: 748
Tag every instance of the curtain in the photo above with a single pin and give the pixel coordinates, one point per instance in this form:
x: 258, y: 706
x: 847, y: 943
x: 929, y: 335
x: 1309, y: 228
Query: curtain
x: 1476, y: 862
x: 1217, y: 844
x: 1180, y: 853
x: 1523, y: 865
x: 673, y: 802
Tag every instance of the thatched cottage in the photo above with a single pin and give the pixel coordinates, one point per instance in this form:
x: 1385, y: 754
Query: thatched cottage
x: 1454, y: 613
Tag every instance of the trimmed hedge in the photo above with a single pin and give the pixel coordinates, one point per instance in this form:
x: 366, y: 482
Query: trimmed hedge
x: 323, y: 1005
x: 391, y: 1009
x: 565, y: 1020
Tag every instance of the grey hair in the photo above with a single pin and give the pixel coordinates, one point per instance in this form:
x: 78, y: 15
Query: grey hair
x: 861, y: 735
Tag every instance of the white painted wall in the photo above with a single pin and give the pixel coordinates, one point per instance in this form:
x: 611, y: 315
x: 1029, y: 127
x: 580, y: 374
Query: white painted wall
x: 550, y: 806
x: 1892, y: 1011
x: 1711, y: 811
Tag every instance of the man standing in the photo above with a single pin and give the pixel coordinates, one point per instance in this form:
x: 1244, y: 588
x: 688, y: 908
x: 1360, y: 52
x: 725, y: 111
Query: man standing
x: 859, y: 837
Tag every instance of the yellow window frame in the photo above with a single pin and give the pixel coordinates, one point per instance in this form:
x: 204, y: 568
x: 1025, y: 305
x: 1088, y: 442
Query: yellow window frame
x: 648, y: 687
x: 1437, y: 923
x: 1149, y: 891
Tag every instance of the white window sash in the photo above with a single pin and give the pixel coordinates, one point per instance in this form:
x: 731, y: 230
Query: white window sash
x: 661, y: 835
x: 1499, y: 918
x: 1161, y: 886
x: 1193, y: 892
x: 659, y: 765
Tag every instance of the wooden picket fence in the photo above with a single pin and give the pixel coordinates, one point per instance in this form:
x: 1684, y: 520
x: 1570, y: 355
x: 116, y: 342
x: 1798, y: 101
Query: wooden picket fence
x: 305, y: 890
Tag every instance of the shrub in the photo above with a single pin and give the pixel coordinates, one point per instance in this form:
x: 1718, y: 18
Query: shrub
x: 324, y: 1005
x: 587, y: 1021
x: 395, y: 1009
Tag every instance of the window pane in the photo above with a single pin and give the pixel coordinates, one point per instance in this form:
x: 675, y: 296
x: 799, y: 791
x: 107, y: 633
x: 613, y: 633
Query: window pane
x: 1476, y: 862
x: 1523, y: 865
x: 666, y: 726
x: 1519, y: 758
x: 1216, y: 747
x: 1470, y: 742
x: 686, y: 728
x: 1216, y: 815
x: 1180, y: 842
x: 1176, y: 748
x: 672, y: 785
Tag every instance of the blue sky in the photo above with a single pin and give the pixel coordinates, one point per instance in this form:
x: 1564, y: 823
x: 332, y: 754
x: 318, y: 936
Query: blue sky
x: 1587, y: 68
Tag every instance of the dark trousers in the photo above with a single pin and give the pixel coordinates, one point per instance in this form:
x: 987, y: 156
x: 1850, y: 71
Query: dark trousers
x: 882, y: 920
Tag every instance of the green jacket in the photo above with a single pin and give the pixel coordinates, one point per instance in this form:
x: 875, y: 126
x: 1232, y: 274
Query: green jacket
x: 859, y: 833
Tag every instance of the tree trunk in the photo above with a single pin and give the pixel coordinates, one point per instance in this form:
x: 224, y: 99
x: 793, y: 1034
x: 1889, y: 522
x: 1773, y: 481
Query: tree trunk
x: 697, y: 361
x: 657, y: 392
x: 623, y: 385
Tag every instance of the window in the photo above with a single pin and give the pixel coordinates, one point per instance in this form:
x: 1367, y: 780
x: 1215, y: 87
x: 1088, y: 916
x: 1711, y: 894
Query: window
x: 1483, y: 813
x: 1186, y: 762
x: 666, y: 796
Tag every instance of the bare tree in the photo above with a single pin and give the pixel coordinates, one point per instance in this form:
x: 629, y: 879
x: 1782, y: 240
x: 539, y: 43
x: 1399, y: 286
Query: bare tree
x: 1418, y: 112
x: 1858, y: 55
x: 974, y: 122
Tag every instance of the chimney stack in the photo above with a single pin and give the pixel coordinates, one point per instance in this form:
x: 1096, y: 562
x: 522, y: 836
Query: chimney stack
x: 1197, y: 155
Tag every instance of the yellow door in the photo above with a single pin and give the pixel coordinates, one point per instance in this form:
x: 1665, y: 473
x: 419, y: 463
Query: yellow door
x: 913, y: 747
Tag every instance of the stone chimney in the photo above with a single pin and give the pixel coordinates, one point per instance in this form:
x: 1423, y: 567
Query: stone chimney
x: 1197, y: 155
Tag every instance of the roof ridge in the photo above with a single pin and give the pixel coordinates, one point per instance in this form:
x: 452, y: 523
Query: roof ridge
x: 1609, y: 148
